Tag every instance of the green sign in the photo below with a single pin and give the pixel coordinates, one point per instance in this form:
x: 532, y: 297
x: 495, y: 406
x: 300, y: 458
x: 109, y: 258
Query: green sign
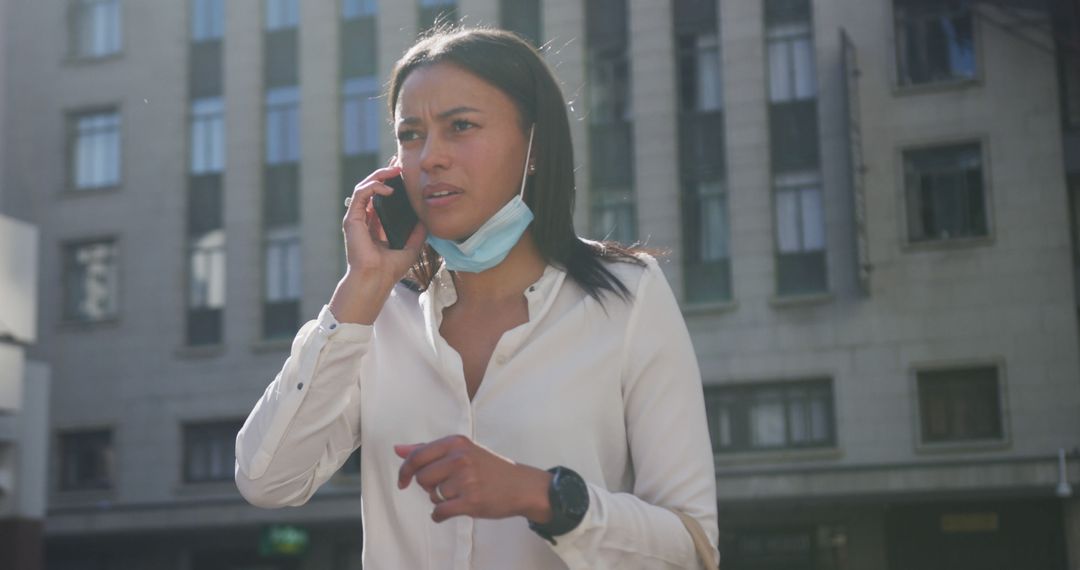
x: 283, y: 540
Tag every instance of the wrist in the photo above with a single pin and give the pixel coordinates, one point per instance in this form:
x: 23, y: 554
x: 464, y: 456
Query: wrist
x: 359, y: 299
x: 536, y: 505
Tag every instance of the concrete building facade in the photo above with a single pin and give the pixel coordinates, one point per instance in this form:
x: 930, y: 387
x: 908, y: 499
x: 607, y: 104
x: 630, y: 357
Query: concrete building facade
x: 865, y: 203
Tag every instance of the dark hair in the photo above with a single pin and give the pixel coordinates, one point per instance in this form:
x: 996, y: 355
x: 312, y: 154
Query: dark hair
x: 513, y: 66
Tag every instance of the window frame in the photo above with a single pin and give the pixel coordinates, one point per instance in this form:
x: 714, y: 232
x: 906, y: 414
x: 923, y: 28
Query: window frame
x: 982, y: 444
x: 61, y: 482
x: 75, y: 10
x: 986, y: 150
x: 893, y: 63
x: 65, y: 245
x: 71, y: 143
x: 204, y: 118
x: 741, y: 394
x: 206, y: 425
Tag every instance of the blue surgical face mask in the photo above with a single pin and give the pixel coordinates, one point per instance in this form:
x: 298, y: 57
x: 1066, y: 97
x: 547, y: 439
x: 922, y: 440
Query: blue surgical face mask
x: 493, y: 241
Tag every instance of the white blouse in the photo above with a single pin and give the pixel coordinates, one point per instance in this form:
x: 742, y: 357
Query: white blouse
x: 612, y: 391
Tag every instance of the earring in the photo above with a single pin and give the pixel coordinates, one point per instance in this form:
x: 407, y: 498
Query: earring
x: 532, y: 169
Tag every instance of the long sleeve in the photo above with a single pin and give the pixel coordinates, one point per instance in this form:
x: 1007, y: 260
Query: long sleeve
x: 305, y: 425
x: 669, y: 446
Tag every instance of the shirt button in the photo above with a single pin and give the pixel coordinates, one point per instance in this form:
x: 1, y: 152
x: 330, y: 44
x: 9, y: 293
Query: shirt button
x: 500, y: 359
x: 333, y: 326
x: 532, y: 288
x: 300, y: 386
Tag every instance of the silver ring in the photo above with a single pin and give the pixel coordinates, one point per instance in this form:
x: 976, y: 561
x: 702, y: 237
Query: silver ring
x: 348, y: 201
x: 438, y: 493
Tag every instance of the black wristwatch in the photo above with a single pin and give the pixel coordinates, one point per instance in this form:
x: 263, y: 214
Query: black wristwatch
x: 569, y: 497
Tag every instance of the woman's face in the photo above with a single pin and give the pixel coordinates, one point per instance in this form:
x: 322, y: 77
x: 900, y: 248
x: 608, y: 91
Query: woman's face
x: 461, y: 148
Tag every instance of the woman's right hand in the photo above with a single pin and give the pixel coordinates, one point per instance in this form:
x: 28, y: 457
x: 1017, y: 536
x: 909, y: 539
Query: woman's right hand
x: 366, y: 249
x: 373, y: 268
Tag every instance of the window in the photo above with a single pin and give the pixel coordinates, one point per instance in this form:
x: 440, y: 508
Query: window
x: 86, y: 460
x: 282, y: 288
x: 358, y: 8
x: 706, y: 253
x: 95, y: 28
x: 792, y: 71
x: 436, y: 12
x: 360, y: 114
x: 206, y: 288
x: 282, y: 125
x: 359, y: 45
x: 960, y: 405
x: 522, y: 17
x: 701, y: 152
x: 95, y: 148
x: 90, y: 281
x: 945, y: 196
x: 207, y: 135
x: 800, y: 235
x: 611, y: 142
x: 935, y: 41
x: 282, y: 14
x: 207, y: 19
x: 209, y: 451
x: 771, y: 416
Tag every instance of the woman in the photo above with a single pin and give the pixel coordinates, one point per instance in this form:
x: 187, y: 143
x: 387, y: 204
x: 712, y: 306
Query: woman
x: 527, y: 399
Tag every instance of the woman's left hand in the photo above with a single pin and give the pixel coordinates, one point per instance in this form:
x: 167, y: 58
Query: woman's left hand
x: 474, y: 480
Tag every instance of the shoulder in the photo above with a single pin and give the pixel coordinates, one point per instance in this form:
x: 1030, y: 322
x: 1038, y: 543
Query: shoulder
x: 636, y: 274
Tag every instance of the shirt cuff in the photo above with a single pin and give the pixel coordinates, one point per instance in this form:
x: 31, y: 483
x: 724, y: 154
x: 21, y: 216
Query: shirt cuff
x: 566, y: 544
x: 347, y: 332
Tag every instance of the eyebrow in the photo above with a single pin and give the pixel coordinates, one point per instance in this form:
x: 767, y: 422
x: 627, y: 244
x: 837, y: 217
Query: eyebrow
x: 440, y: 116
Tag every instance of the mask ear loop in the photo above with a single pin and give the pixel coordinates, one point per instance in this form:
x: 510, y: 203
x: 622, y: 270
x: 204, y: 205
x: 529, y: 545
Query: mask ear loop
x: 528, y: 154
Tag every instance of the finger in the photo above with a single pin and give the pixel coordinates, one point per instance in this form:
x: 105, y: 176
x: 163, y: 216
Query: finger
x: 384, y: 173
x: 403, y: 450
x: 421, y: 456
x: 439, y: 472
x: 451, y: 508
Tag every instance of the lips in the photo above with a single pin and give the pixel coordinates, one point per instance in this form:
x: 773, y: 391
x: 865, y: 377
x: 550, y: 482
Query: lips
x: 441, y: 194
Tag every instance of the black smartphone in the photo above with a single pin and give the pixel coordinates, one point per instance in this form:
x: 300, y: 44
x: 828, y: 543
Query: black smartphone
x: 395, y: 213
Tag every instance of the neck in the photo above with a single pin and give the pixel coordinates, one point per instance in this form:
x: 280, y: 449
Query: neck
x: 507, y: 281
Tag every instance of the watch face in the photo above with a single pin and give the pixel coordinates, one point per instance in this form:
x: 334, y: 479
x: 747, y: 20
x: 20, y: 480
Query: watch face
x: 573, y: 493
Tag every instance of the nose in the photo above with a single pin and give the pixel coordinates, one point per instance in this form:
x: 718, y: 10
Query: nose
x: 435, y: 155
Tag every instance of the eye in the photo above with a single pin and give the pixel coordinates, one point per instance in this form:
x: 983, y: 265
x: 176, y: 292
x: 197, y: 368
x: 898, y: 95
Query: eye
x: 462, y: 125
x: 407, y: 135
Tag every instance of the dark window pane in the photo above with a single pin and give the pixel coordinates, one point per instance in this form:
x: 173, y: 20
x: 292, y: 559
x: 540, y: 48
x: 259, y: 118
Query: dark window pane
x: 779, y: 12
x: 281, y: 66
x: 206, y: 68
x: 209, y: 451
x: 960, y: 405
x: 793, y: 136
x: 605, y: 24
x: 358, y: 47
x: 352, y: 464
x: 204, y: 204
x: 611, y: 154
x: 945, y: 195
x: 281, y: 319
x: 694, y: 16
x: 281, y: 205
x: 90, y: 281
x: 437, y: 15
x: 523, y: 17
x: 86, y: 460
x: 203, y: 326
x: 935, y: 41
x: 701, y: 146
x: 800, y: 273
